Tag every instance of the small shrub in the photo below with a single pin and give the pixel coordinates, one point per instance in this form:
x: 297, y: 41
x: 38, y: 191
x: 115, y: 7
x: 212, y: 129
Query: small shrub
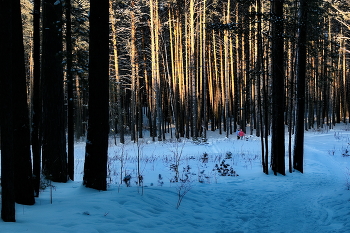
x: 127, y: 180
x: 174, y: 168
x: 46, y: 183
x: 224, y: 169
x: 183, y: 188
x: 205, y: 158
x: 331, y: 151
x: 345, y: 152
x: 160, y: 180
x: 228, y: 155
x: 202, y: 177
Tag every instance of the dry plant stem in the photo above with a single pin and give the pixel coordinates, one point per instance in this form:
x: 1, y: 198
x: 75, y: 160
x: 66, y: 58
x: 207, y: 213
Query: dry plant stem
x: 182, y: 190
x: 177, y: 152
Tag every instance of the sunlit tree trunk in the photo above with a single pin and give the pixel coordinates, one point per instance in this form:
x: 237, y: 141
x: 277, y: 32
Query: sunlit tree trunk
x: 134, y: 74
x: 120, y: 114
x: 192, y: 73
x: 156, y: 109
x: 226, y: 72
x: 345, y: 109
x: 171, y: 72
x: 216, y: 101
x: 36, y: 99
x: 204, y: 72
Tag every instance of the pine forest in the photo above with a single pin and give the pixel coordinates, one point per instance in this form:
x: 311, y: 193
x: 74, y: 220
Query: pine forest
x: 95, y: 70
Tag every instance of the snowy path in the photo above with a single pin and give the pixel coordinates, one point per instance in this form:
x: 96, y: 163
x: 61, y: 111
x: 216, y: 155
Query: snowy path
x: 292, y: 203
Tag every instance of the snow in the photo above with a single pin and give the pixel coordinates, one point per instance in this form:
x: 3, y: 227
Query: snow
x: 316, y: 201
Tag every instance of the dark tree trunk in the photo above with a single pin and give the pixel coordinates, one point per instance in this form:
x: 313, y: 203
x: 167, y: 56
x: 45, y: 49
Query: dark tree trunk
x: 95, y: 167
x: 246, y: 40
x: 277, y: 139
x: 261, y: 91
x: 8, y: 211
x: 300, y: 78
x: 24, y: 192
x: 36, y: 100
x: 54, y: 138
x: 70, y: 84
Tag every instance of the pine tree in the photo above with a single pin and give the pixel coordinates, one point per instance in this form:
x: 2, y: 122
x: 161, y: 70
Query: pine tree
x: 54, y: 156
x: 96, y: 153
x: 36, y: 100
x: 70, y: 85
x: 24, y: 191
x: 277, y: 139
x: 300, y: 78
x: 8, y: 211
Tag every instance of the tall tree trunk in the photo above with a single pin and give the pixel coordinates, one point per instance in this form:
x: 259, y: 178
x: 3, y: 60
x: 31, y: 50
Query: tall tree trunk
x: 156, y: 107
x: 36, y: 100
x: 172, y: 79
x: 8, y: 212
x: 247, y: 81
x: 96, y: 154
x: 204, y: 72
x: 261, y: 91
x: 134, y: 75
x: 300, y: 79
x: 70, y: 84
x: 192, y: 73
x: 54, y: 137
x: 120, y: 110
x: 226, y: 72
x: 277, y: 140
x: 24, y: 191
x: 344, y: 80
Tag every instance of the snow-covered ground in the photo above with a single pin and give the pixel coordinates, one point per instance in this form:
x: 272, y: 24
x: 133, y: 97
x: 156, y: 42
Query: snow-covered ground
x: 316, y: 201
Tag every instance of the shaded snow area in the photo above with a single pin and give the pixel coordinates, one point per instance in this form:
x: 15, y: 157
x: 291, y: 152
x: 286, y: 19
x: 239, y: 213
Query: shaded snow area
x: 316, y: 201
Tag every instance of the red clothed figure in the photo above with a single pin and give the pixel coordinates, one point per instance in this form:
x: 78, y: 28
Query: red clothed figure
x: 241, y: 133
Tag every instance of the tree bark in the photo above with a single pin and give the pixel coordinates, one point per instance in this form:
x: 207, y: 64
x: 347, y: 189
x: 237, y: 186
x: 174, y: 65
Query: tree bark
x: 36, y: 100
x: 54, y: 138
x: 96, y: 154
x: 277, y: 139
x: 300, y: 79
x: 70, y: 85
x: 8, y: 211
x: 24, y: 191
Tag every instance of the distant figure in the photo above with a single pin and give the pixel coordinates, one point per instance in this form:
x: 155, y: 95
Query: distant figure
x: 240, y: 134
x: 238, y: 131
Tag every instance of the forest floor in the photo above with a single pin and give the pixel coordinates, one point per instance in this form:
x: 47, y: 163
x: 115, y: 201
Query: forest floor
x: 248, y: 201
